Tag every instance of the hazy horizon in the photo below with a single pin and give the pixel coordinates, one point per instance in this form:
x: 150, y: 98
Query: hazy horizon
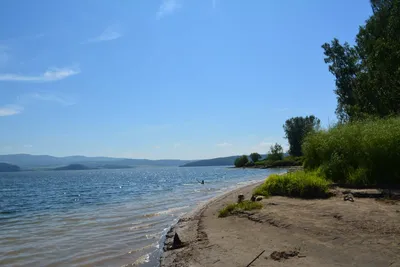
x: 112, y: 157
x: 165, y: 79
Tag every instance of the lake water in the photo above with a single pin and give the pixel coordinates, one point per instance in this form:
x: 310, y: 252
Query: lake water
x: 102, y: 217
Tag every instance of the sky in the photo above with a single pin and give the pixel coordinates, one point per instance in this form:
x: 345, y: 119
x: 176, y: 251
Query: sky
x: 158, y: 79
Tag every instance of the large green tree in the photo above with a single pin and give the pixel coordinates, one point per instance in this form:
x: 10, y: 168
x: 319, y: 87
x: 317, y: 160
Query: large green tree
x: 255, y: 156
x: 241, y: 161
x: 275, y: 152
x: 296, y: 129
x: 368, y: 73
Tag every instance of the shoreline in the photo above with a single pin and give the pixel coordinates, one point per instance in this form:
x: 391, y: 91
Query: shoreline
x: 288, y: 231
x: 188, y: 226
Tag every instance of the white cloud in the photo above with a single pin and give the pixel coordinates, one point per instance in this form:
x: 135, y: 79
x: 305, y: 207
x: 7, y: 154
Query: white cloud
x: 53, y: 74
x: 110, y: 33
x: 167, y: 7
x: 224, y: 144
x: 156, y: 147
x: 66, y: 101
x: 265, y: 144
x: 176, y: 145
x: 10, y: 110
x: 28, y: 146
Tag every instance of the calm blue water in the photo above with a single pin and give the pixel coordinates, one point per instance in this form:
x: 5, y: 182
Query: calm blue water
x: 102, y: 217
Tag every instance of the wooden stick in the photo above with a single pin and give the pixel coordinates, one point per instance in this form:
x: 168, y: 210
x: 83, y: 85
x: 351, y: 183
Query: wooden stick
x: 248, y: 265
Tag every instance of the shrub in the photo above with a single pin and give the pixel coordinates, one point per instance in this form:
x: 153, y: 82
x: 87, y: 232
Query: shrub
x: 296, y: 184
x: 357, y: 153
x: 249, y: 164
x: 286, y: 162
x: 245, y: 205
x: 260, y: 163
x: 241, y: 161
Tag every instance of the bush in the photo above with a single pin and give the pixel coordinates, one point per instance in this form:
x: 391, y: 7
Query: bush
x: 245, y: 205
x: 249, y: 164
x: 260, y: 163
x: 286, y: 162
x: 357, y: 153
x: 241, y: 161
x: 296, y: 184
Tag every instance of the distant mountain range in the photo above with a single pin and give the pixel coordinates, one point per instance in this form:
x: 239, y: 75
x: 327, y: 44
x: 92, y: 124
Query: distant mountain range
x: 34, y: 162
x: 223, y: 161
x: 26, y: 161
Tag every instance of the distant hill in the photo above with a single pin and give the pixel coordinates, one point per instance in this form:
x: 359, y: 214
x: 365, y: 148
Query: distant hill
x: 26, y: 161
x: 74, y: 167
x: 224, y: 161
x: 5, y: 167
x: 111, y: 166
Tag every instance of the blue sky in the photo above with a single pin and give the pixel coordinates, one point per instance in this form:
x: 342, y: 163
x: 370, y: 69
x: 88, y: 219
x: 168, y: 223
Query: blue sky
x: 155, y: 79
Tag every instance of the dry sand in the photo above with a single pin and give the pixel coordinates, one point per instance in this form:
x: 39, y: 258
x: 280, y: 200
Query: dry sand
x: 293, y: 232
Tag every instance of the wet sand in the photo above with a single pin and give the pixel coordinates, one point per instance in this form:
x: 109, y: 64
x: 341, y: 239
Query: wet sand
x: 291, y: 232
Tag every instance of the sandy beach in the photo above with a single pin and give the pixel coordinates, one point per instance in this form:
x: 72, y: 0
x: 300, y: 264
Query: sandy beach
x: 288, y: 232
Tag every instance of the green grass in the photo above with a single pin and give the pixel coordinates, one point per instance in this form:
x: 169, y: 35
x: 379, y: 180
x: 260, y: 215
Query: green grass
x: 358, y: 153
x: 245, y: 205
x: 299, y: 184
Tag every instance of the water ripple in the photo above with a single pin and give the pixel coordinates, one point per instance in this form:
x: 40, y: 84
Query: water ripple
x: 101, y: 217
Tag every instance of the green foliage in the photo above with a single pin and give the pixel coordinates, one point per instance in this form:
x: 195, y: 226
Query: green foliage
x: 357, y: 153
x: 296, y: 129
x: 275, y: 153
x: 244, y: 205
x: 343, y: 64
x: 285, y: 162
x: 295, y: 184
x: 241, y: 161
x: 298, y: 161
x: 367, y: 75
x: 261, y: 190
x: 249, y: 164
x: 255, y: 156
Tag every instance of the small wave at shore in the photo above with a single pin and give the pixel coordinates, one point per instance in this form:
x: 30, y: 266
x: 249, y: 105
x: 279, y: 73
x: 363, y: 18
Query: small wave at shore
x: 141, y: 260
x: 165, y: 212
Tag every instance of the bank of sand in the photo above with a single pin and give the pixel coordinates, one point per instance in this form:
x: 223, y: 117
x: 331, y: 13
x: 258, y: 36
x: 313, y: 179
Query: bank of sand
x: 292, y: 232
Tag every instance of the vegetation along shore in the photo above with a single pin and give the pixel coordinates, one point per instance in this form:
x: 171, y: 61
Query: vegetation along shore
x: 342, y: 208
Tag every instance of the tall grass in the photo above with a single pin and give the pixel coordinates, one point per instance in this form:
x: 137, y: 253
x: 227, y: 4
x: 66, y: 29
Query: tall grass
x: 358, y: 153
x: 296, y: 184
x: 245, y: 205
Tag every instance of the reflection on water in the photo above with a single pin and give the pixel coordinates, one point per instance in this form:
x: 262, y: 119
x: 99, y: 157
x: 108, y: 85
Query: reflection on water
x: 101, y: 217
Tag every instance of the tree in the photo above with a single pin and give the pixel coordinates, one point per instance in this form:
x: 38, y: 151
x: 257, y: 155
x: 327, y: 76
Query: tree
x: 255, y: 157
x: 275, y: 152
x: 241, y: 161
x: 296, y: 129
x: 343, y: 61
x: 367, y: 74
